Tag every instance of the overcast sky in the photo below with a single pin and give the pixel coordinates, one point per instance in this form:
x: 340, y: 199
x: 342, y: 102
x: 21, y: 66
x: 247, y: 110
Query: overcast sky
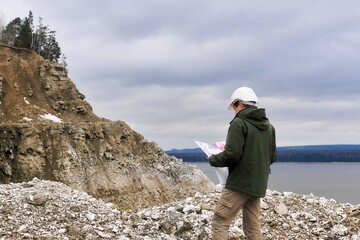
x: 168, y: 68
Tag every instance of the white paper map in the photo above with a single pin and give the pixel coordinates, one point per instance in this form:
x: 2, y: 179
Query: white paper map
x: 215, y: 148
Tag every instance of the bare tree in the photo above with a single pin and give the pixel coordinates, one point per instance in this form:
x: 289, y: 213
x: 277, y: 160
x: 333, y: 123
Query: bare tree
x: 2, y: 23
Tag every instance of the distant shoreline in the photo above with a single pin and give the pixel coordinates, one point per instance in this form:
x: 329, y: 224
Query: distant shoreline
x: 315, y: 153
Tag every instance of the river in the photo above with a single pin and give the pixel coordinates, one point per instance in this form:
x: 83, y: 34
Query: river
x: 339, y: 181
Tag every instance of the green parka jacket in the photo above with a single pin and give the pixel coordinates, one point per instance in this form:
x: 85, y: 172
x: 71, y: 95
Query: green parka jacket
x: 250, y: 149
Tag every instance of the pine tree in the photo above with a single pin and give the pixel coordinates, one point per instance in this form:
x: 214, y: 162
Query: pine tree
x: 52, y: 50
x: 24, y: 39
x: 11, y: 32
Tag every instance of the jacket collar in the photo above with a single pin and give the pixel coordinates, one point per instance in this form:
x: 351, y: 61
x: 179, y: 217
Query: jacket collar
x: 244, y: 112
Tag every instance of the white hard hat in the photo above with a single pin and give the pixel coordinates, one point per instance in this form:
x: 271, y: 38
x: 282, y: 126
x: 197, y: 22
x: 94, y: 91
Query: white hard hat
x: 244, y: 94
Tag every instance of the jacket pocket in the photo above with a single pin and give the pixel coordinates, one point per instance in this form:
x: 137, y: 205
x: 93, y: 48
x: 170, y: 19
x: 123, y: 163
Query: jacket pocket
x: 223, y: 208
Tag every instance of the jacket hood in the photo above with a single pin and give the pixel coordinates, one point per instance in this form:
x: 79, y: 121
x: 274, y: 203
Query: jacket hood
x: 255, y: 116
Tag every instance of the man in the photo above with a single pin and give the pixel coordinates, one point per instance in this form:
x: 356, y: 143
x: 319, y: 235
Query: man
x: 250, y: 149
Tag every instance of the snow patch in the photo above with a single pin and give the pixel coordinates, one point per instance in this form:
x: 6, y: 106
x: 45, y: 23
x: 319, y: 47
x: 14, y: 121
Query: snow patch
x: 27, y: 119
x: 51, y: 117
x: 26, y: 101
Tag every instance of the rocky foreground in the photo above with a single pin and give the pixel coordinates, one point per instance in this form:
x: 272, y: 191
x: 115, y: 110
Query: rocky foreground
x: 41, y: 209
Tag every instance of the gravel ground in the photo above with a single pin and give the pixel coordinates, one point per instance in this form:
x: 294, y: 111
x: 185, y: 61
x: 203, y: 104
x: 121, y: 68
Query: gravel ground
x: 50, y: 210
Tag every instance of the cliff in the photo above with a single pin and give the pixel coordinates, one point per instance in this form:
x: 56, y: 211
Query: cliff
x: 49, y: 131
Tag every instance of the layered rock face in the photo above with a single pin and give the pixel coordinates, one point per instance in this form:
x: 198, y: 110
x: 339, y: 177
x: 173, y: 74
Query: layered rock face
x: 49, y: 131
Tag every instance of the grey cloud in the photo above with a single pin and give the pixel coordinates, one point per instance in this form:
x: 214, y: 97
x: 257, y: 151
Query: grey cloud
x: 167, y: 68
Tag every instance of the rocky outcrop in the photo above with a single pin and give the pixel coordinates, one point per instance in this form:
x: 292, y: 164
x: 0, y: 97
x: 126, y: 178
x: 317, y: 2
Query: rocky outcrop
x: 31, y: 87
x: 49, y: 131
x: 51, y: 210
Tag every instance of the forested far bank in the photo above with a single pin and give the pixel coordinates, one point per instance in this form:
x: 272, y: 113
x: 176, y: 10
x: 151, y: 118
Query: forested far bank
x: 318, y: 153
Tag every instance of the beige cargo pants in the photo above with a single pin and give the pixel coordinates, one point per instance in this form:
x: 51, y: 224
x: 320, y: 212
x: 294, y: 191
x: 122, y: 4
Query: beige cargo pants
x: 229, y: 204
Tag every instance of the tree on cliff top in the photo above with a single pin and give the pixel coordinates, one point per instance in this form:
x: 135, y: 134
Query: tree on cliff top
x: 44, y: 42
x: 21, y: 33
x: 10, y: 32
x: 24, y: 38
x: 2, y: 23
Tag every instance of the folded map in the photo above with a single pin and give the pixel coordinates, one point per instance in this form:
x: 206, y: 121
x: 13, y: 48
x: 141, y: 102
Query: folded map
x: 215, y: 148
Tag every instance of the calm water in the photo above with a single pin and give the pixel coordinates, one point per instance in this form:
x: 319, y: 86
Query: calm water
x: 339, y: 181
